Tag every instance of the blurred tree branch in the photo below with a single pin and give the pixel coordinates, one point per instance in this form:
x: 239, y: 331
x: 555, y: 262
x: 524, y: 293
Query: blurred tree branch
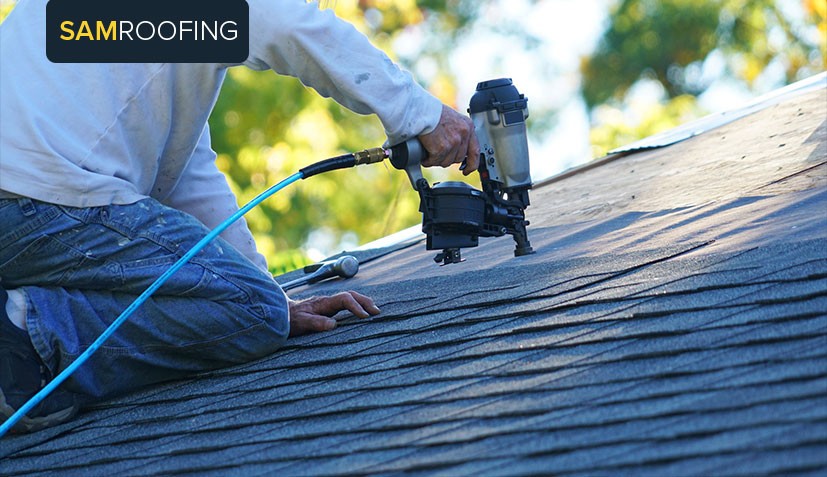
x: 672, y: 42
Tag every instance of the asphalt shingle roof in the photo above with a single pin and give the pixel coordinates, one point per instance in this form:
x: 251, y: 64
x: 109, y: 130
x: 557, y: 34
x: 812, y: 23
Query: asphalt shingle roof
x: 672, y: 322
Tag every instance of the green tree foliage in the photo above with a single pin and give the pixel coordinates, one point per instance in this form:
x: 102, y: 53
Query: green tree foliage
x: 616, y: 128
x: 669, y: 41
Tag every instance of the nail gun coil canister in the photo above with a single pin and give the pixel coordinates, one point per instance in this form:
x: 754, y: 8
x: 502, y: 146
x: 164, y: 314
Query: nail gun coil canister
x: 457, y: 214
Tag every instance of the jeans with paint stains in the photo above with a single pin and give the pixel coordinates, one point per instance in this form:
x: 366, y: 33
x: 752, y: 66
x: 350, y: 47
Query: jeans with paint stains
x: 79, y: 268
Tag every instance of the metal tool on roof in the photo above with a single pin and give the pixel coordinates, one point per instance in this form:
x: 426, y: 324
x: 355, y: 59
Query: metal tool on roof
x: 454, y: 214
x: 345, y: 266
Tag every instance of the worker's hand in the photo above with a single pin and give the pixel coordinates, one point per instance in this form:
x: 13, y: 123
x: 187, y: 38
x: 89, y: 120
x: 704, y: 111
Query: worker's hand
x: 314, y: 314
x: 453, y: 141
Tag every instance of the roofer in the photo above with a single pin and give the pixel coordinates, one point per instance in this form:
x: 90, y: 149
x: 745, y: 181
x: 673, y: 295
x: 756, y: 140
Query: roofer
x: 107, y: 177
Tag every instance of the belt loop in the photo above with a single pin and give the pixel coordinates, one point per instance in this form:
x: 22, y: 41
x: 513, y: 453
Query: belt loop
x: 27, y: 206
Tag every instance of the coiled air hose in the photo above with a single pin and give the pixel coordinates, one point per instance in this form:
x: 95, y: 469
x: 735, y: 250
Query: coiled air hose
x: 345, y: 161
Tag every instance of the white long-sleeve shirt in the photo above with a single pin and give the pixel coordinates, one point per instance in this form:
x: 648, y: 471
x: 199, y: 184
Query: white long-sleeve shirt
x: 86, y: 135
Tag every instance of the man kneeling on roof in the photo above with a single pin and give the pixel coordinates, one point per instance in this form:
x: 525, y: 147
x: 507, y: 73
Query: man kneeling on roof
x: 107, y: 178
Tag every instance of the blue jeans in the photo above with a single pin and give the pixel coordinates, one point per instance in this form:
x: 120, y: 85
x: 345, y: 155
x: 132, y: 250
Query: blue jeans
x: 79, y: 268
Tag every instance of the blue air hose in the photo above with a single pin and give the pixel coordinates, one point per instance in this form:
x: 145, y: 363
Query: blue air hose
x: 341, y: 162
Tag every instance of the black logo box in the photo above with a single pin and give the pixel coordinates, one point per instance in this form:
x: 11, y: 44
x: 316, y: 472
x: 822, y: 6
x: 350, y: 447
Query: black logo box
x: 163, y: 17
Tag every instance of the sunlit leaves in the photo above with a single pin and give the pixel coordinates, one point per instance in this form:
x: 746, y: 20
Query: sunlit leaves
x: 662, y: 38
x: 817, y: 11
x: 619, y: 127
x: 653, y: 36
x: 670, y: 42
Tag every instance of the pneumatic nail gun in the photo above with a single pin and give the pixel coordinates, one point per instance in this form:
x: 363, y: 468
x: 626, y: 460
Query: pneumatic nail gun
x: 454, y: 214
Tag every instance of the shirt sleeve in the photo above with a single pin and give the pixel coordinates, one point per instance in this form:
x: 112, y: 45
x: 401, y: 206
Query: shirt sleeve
x: 296, y: 38
x: 203, y: 192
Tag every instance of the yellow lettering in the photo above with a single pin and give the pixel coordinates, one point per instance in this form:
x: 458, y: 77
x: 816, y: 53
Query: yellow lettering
x: 84, y: 31
x: 67, y: 27
x: 103, y: 30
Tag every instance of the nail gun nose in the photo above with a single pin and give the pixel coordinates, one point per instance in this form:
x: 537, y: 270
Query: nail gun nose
x: 345, y: 266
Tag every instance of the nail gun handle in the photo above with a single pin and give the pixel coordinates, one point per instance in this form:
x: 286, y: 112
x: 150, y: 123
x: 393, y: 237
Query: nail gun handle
x: 408, y: 157
x: 410, y: 153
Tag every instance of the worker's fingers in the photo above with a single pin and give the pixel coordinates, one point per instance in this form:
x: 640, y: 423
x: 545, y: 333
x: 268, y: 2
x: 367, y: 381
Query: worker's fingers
x: 302, y: 323
x: 450, y: 142
x: 366, y: 303
x: 458, y: 154
x: 314, y: 314
x: 451, y: 156
x: 472, y: 160
x: 356, y: 303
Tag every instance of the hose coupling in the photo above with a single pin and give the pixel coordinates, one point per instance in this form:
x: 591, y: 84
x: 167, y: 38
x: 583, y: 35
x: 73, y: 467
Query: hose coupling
x: 370, y: 156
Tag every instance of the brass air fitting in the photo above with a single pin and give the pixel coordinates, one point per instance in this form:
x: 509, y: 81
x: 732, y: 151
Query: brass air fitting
x: 369, y: 156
